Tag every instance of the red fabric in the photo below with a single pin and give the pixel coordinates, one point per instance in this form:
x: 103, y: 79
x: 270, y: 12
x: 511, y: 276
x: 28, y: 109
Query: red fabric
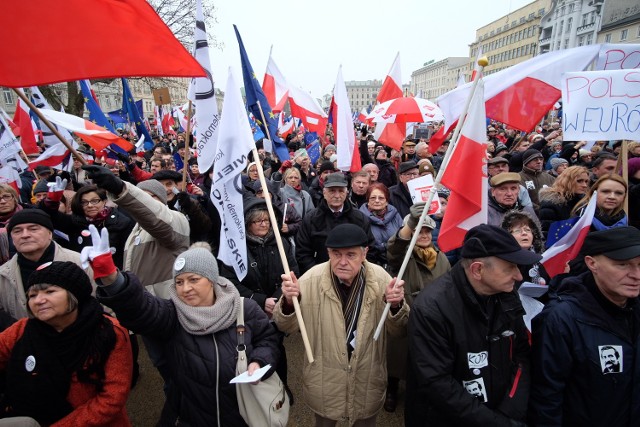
x: 90, y: 408
x: 55, y: 196
x: 139, y: 175
x: 103, y: 266
x: 71, y: 56
x: 26, y: 133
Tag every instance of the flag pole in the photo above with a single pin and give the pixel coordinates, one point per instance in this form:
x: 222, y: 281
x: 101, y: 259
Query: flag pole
x: 482, y: 62
x: 624, y: 155
x: 187, y: 149
x: 35, y: 109
x: 276, y: 232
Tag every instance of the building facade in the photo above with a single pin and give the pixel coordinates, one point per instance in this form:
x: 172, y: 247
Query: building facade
x: 437, y: 78
x: 362, y: 93
x: 620, y: 22
x: 570, y: 23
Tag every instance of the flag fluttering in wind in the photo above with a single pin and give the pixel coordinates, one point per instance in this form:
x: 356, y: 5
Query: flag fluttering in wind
x: 392, y: 85
x: 258, y: 105
x: 57, y: 156
x: 11, y: 164
x: 465, y: 175
x: 348, y: 155
x: 22, y: 119
x: 49, y: 138
x: 203, y: 96
x: 275, y: 86
x: 133, y: 113
x: 387, y: 131
x: 307, y: 109
x: 235, y: 140
x: 96, y: 136
x: 65, y: 53
x: 555, y: 258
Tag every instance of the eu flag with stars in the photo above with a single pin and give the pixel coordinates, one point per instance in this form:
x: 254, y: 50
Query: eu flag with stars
x: 558, y: 229
x: 95, y: 112
x: 120, y: 116
x: 313, y: 150
x: 256, y: 100
x: 134, y: 115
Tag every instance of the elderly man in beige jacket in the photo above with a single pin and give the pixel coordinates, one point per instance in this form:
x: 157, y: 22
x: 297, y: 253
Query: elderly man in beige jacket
x: 342, y: 301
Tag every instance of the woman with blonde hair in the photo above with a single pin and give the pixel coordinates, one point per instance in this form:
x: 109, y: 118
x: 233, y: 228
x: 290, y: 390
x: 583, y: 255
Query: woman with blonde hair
x: 557, y: 201
x: 612, y: 190
x: 293, y: 193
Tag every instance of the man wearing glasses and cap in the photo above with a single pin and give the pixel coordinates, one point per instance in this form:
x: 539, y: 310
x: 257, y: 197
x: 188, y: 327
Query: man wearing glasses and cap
x: 586, y: 342
x: 465, y: 328
x: 342, y: 301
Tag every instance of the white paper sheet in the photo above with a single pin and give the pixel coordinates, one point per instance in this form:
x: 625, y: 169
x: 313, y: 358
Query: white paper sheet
x: 245, y: 378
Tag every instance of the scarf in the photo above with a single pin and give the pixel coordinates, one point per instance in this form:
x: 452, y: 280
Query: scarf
x: 351, y: 307
x: 40, y: 389
x: 4, y: 219
x: 260, y: 240
x: 603, y: 221
x: 100, y: 216
x: 379, y: 214
x: 208, y: 320
x: 426, y: 255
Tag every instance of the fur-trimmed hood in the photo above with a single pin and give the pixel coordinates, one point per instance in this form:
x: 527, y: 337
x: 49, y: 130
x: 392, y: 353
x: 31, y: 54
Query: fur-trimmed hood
x: 514, y: 216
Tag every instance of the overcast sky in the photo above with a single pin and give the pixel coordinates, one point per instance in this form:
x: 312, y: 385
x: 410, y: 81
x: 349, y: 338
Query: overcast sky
x: 312, y: 38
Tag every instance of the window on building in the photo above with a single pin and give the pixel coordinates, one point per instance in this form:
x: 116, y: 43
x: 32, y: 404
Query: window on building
x: 560, y: 27
x: 581, y: 41
x: 638, y: 32
x: 531, y: 15
x: 607, y: 38
x: 7, y: 95
x: 585, y: 19
x: 590, y: 38
x: 569, y: 22
x: 623, y: 35
x: 572, y: 6
x: 566, y: 44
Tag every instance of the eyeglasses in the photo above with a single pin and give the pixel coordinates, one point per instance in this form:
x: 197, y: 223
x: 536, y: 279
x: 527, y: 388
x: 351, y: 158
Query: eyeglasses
x: 92, y: 202
x: 411, y: 174
x: 521, y: 230
x: 265, y: 221
x: 6, y: 197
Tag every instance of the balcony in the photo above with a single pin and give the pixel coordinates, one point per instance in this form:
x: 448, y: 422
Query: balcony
x: 586, y: 28
x: 545, y: 40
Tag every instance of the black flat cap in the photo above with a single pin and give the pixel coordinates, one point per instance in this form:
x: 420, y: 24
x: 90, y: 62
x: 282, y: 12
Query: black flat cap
x: 407, y: 166
x: 167, y: 174
x: 619, y: 243
x: 335, y: 180
x: 347, y: 236
x: 488, y: 240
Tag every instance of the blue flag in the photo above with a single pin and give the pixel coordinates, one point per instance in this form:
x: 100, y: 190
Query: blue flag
x: 120, y: 116
x: 134, y: 115
x: 257, y: 100
x: 313, y: 150
x: 95, y: 112
x: 257, y: 132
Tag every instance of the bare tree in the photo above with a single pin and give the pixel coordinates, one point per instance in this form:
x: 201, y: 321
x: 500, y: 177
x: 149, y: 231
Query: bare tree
x: 179, y: 15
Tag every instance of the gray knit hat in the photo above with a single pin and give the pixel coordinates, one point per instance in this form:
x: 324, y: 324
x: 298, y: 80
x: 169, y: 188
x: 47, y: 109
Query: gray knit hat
x: 199, y: 260
x: 556, y: 162
x: 154, y: 187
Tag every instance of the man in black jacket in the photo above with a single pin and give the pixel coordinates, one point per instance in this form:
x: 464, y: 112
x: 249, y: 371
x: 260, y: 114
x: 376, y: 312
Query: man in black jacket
x: 399, y: 195
x: 586, y: 342
x: 468, y: 345
x: 334, y: 209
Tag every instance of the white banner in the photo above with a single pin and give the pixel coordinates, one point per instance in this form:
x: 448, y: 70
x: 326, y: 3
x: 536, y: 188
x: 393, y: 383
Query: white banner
x: 419, y: 189
x: 47, y: 134
x: 618, y: 57
x: 601, y: 105
x: 235, y: 140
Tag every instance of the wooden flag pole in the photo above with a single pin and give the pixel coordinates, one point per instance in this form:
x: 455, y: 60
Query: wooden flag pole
x: 35, y: 109
x: 624, y: 155
x: 276, y: 232
x: 482, y: 62
x: 187, y: 149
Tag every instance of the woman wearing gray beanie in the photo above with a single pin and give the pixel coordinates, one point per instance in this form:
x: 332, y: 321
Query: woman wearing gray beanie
x: 197, y: 325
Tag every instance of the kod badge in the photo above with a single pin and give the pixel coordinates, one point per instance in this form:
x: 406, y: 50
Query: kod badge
x: 179, y: 264
x: 30, y: 363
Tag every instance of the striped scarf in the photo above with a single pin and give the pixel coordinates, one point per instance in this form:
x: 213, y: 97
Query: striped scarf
x: 351, y: 310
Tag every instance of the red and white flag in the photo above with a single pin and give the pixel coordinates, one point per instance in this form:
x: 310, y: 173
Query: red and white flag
x: 387, y: 132
x: 96, y: 136
x: 167, y: 120
x: 348, y: 155
x: 57, y: 156
x: 521, y: 95
x: 466, y: 176
x: 157, y: 112
x: 285, y: 128
x: 307, y: 109
x: 362, y: 117
x: 555, y: 258
x: 274, y: 86
x: 27, y: 132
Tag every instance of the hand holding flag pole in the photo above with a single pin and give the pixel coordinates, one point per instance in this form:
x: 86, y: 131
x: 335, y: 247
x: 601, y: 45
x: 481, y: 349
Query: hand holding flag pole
x: 482, y: 62
x: 55, y: 131
x: 283, y: 256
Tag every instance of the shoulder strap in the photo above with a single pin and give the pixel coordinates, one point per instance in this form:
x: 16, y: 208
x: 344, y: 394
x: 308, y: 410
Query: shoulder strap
x: 240, y: 328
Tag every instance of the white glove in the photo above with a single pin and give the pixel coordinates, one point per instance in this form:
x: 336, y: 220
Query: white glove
x: 98, y: 255
x: 56, y: 189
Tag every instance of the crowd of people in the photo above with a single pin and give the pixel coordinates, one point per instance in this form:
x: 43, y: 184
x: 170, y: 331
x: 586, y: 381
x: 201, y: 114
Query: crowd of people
x: 93, y: 259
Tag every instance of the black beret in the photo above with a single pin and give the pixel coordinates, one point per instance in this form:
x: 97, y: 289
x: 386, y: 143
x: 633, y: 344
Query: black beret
x: 167, y: 174
x: 346, y: 236
x: 488, y: 240
x: 619, y: 243
x: 407, y: 166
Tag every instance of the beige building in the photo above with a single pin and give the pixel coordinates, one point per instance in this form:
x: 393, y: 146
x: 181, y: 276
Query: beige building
x: 620, y: 22
x: 509, y: 40
x: 362, y: 93
x: 437, y: 78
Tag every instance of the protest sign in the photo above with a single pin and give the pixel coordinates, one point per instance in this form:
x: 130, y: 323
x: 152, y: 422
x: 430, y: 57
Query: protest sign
x: 601, y: 105
x: 419, y: 189
x: 618, y: 57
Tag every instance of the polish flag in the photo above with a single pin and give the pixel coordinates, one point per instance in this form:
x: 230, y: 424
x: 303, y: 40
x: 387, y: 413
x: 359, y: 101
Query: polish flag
x: 286, y: 128
x: 10, y: 176
x: 362, y: 117
x: 158, y: 116
x: 307, y: 109
x: 56, y: 156
x: 274, y: 86
x: 27, y: 134
x: 343, y: 127
x: 555, y: 258
x: 521, y: 95
x: 466, y: 176
x: 96, y: 136
x: 387, y: 131
x: 167, y: 120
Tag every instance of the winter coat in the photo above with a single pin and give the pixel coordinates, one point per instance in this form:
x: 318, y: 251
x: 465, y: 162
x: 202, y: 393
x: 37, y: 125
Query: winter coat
x: 199, y: 222
x: 13, y: 299
x: 159, y: 236
x: 569, y: 384
x: 454, y: 339
x: 336, y: 386
x: 300, y: 200
x: 400, y: 198
x: 535, y: 181
x: 496, y: 212
x: 312, y: 235
x: 117, y: 223
x: 315, y: 191
x: 634, y: 202
x: 417, y: 275
x: 383, y: 229
x: 90, y: 407
x: 554, y: 207
x: 197, y: 394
